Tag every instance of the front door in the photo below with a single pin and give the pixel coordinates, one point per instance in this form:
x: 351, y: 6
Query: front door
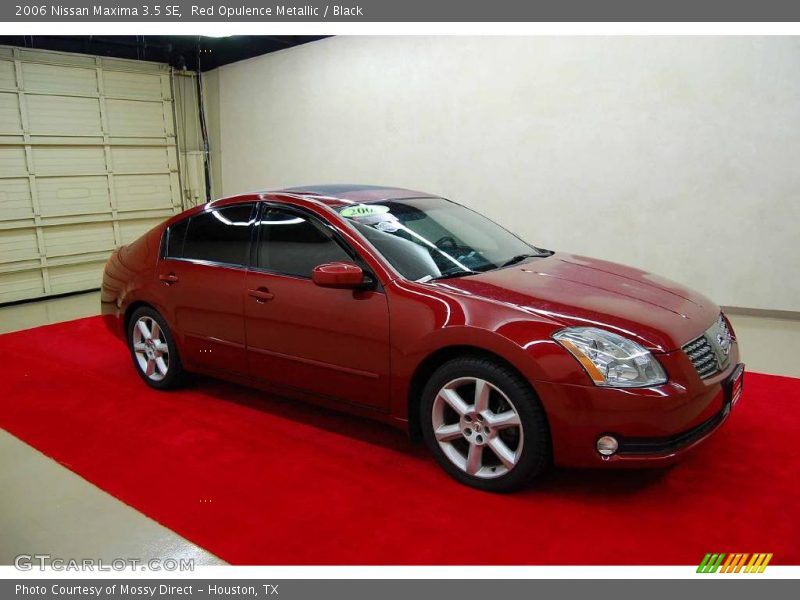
x: 330, y: 342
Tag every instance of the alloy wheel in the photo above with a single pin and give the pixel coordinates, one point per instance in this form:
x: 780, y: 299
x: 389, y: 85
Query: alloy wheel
x: 477, y: 427
x: 151, y: 348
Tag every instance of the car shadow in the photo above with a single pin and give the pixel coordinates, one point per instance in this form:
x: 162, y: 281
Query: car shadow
x: 559, y: 480
x: 604, y: 483
x: 331, y: 420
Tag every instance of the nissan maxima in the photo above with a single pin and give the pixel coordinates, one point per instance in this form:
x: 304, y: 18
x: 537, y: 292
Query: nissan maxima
x: 505, y: 358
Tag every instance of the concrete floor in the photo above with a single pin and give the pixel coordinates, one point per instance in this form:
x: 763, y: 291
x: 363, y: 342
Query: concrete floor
x: 47, y: 509
x: 43, y: 312
x: 767, y: 344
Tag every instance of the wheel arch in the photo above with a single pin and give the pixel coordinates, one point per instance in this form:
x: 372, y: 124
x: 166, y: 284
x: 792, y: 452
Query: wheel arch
x: 431, y: 363
x: 132, y: 308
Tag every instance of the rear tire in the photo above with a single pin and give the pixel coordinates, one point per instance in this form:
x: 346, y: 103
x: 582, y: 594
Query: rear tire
x: 484, y: 424
x: 153, y: 350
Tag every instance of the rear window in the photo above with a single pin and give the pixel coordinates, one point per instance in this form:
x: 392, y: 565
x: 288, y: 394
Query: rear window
x: 175, y: 236
x: 220, y: 236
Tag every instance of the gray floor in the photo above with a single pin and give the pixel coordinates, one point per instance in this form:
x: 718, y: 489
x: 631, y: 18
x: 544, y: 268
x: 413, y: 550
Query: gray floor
x: 47, y: 509
x: 44, y: 312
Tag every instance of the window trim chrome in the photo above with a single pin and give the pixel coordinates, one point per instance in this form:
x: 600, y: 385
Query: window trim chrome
x: 259, y: 206
x: 165, y: 238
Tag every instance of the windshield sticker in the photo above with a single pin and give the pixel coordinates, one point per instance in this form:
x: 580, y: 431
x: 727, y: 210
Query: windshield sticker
x: 364, y: 210
x: 389, y: 225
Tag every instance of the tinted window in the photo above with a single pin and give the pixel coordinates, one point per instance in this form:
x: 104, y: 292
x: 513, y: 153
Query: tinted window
x: 221, y: 235
x: 175, y: 236
x: 294, y: 245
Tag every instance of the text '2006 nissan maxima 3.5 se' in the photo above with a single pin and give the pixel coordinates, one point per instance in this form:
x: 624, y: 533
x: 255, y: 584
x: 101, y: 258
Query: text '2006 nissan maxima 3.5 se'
x: 401, y: 306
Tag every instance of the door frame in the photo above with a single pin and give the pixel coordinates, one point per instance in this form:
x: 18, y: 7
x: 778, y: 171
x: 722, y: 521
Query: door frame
x: 376, y: 287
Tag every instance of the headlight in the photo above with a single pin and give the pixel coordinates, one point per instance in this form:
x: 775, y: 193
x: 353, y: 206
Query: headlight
x: 610, y: 359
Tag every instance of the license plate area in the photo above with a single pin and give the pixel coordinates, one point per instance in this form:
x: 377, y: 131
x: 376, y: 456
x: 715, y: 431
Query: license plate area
x: 733, y: 387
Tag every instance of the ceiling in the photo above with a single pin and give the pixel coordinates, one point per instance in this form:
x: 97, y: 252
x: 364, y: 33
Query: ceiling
x: 189, y: 51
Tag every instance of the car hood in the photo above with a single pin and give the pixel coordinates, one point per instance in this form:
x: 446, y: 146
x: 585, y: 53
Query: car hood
x: 576, y: 290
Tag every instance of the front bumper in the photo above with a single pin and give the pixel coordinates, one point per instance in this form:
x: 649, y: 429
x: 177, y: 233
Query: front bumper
x: 654, y: 426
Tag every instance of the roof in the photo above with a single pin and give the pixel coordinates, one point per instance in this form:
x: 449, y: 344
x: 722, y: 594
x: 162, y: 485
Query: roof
x: 345, y: 193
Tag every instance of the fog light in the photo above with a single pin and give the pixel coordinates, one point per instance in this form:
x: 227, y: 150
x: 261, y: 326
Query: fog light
x: 607, y: 445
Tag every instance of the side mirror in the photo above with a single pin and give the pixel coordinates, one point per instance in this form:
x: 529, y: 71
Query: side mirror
x: 338, y: 275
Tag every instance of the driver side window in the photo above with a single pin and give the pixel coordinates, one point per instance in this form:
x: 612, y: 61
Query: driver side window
x: 293, y: 245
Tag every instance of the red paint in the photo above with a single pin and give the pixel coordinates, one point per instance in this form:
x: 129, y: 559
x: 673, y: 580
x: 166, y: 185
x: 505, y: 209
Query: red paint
x: 359, y: 350
x: 330, y: 342
x: 338, y: 275
x: 258, y: 479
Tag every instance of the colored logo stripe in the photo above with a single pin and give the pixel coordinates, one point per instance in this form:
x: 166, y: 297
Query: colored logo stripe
x: 735, y: 563
x: 710, y: 563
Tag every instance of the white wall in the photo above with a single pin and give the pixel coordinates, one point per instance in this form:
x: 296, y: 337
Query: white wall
x: 680, y: 155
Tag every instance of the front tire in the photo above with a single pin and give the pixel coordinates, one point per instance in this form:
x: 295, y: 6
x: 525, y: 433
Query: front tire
x: 484, y: 424
x: 153, y: 350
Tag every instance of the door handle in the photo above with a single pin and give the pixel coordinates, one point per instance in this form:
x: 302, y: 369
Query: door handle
x: 168, y: 279
x: 261, y: 294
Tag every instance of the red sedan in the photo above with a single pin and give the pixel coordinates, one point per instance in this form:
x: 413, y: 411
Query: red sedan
x: 405, y: 307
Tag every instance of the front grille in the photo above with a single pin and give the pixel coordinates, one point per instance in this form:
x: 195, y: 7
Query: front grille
x: 703, y: 357
x: 710, y: 352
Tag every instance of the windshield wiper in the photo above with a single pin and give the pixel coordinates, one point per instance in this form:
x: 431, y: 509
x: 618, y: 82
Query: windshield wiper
x: 453, y: 275
x: 518, y: 258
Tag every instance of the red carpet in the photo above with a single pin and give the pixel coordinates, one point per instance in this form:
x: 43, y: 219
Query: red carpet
x: 257, y: 480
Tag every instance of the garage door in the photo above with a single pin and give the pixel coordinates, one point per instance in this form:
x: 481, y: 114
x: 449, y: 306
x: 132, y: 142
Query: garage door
x: 88, y: 161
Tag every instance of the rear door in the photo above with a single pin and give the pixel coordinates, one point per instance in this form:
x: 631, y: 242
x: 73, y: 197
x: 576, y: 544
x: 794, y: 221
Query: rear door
x: 330, y: 342
x: 203, y: 273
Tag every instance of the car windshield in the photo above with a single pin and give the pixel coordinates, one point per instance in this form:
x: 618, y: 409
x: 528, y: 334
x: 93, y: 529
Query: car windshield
x: 433, y: 238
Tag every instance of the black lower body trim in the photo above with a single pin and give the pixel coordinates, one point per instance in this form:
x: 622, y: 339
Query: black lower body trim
x: 668, y: 444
